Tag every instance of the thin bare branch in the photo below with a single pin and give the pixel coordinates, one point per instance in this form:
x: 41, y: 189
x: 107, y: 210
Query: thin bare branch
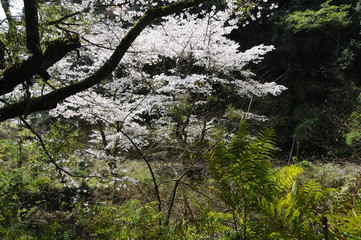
x: 60, y: 20
x: 179, y: 180
x: 156, y: 187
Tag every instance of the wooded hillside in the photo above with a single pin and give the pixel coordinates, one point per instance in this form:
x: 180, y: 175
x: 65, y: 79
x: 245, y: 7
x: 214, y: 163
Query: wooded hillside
x: 180, y: 119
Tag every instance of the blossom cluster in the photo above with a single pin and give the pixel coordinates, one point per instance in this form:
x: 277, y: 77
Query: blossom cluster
x: 174, y: 65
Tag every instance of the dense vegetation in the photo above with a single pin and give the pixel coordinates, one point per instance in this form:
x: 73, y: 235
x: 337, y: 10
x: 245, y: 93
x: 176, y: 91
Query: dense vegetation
x: 243, y: 195
x: 317, y: 59
x: 155, y: 120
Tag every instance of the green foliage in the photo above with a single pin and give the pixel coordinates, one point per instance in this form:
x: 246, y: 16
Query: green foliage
x: 348, y: 55
x: 327, y: 16
x: 267, y: 203
x: 14, y: 41
x: 18, y: 204
x: 353, y: 137
x: 286, y: 177
x: 63, y: 139
x: 15, y: 144
x: 63, y: 142
x: 246, y: 6
x: 241, y: 170
x: 211, y: 224
x: 350, y: 227
x: 132, y: 220
x: 294, y: 208
x: 258, y: 200
x: 317, y: 58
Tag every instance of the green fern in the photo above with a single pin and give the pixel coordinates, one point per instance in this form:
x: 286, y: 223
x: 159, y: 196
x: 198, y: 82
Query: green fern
x: 294, y: 210
x: 244, y: 166
x: 285, y: 178
x: 242, y: 173
x: 268, y: 203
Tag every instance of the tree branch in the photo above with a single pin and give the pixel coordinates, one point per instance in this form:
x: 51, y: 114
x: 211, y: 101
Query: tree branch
x: 32, y: 26
x: 6, y: 6
x: 51, y: 100
x: 156, y: 186
x: 58, y: 21
x: 36, y: 64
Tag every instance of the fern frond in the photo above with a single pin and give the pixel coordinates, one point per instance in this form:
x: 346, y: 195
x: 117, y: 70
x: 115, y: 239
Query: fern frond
x: 241, y: 140
x: 285, y: 177
x: 309, y: 193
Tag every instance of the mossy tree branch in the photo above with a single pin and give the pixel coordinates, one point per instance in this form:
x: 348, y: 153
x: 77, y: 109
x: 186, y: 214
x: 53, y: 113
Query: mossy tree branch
x: 25, y: 70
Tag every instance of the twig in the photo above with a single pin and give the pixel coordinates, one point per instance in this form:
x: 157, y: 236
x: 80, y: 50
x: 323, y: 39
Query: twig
x: 291, y: 152
x: 191, y: 187
x: 156, y: 188
x: 174, y: 192
x: 63, y: 18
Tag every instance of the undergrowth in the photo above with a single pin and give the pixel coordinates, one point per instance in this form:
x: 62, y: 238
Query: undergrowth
x: 239, y: 195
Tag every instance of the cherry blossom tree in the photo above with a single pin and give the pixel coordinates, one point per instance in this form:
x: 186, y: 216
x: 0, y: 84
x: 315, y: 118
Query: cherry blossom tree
x: 145, y: 75
x: 175, y: 78
x: 38, y: 56
x: 171, y: 81
x: 173, y: 86
x: 103, y: 31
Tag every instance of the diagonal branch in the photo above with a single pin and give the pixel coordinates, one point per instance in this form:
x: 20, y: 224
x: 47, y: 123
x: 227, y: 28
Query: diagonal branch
x: 150, y: 168
x: 51, y: 100
x: 58, y: 21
